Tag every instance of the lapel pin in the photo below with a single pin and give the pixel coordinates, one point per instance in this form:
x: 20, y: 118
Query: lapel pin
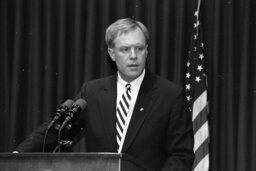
x: 141, y: 109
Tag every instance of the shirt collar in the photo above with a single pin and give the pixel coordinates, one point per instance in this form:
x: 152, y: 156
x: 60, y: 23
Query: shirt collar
x: 135, y: 84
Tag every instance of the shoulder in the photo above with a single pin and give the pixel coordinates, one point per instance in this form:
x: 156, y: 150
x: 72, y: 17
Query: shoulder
x: 169, y: 91
x: 93, y: 86
x: 164, y: 84
x: 167, y: 83
x: 101, y: 82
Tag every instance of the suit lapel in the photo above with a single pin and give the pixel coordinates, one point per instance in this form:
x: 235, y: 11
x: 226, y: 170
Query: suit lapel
x: 107, y: 104
x: 142, y: 108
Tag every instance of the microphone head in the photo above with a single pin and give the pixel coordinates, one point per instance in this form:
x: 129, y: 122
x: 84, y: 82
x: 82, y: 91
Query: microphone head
x: 81, y: 103
x: 63, y: 108
x: 77, y: 107
x: 68, y: 103
x: 60, y: 112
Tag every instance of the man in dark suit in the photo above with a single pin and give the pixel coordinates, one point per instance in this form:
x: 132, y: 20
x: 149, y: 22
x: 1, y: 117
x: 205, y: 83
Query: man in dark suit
x: 133, y: 112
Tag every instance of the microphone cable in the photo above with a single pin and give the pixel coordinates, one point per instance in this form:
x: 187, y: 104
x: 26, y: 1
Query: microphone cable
x: 62, y: 110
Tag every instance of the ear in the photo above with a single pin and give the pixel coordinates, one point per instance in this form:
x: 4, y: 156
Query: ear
x: 111, y: 54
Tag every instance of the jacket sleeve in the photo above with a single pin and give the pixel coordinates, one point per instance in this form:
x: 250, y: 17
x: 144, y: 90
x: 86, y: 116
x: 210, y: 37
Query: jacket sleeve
x: 35, y: 141
x: 49, y: 140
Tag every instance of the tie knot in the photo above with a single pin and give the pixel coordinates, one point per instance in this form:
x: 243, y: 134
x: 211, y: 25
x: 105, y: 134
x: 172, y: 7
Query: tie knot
x: 128, y: 87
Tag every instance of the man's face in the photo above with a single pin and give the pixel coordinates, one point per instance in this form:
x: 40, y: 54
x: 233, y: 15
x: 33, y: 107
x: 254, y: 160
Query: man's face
x: 129, y: 54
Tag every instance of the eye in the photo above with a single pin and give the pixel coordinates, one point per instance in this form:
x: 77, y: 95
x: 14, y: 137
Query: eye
x: 125, y: 49
x: 140, y: 48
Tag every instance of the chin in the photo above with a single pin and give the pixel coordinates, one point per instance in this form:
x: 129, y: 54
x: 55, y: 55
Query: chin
x: 133, y: 76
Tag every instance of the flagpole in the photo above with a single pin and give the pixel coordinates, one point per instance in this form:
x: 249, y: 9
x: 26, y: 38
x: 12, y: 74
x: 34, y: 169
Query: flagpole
x: 198, y: 7
x: 197, y: 15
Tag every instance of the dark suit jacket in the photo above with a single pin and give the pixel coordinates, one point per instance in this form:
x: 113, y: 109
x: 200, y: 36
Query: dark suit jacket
x: 160, y: 134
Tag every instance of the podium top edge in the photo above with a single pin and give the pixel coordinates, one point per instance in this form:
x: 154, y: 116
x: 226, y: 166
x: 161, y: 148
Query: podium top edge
x: 70, y: 154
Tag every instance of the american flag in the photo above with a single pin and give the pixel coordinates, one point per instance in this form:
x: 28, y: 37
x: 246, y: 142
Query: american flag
x: 196, y: 95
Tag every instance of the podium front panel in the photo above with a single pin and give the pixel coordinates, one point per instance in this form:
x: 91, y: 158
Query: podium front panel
x: 60, y: 162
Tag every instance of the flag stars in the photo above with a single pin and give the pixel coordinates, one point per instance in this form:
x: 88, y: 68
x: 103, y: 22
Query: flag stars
x: 188, y: 64
x: 188, y: 98
x: 196, y: 13
x: 188, y: 75
x: 188, y: 87
x: 196, y: 24
x: 201, y: 56
x: 198, y: 79
x: 199, y: 68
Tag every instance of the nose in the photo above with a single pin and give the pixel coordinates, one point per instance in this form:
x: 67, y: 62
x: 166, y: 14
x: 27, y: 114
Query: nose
x: 133, y: 54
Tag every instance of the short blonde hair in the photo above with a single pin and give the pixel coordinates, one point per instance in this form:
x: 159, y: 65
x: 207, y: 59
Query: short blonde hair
x: 122, y: 26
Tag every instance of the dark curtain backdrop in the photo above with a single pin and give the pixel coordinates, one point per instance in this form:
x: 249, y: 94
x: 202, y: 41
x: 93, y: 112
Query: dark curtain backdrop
x: 48, y: 48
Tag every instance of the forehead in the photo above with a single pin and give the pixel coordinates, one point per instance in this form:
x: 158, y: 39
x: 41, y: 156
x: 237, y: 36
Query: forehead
x: 131, y: 37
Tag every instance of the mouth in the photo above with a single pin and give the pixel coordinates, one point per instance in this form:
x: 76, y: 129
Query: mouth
x: 133, y: 66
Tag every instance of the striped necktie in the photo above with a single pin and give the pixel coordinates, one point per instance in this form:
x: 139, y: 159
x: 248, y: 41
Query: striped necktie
x: 122, y: 112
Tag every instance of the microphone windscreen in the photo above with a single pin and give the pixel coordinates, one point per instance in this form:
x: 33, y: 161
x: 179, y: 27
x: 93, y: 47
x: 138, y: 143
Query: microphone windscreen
x: 68, y: 103
x: 81, y: 103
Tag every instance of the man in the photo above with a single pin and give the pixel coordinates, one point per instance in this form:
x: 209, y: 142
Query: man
x: 133, y: 112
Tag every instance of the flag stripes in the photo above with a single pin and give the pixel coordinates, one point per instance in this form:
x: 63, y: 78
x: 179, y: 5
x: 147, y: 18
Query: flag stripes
x: 203, y: 164
x: 201, y: 152
x: 201, y: 135
x: 201, y: 118
x: 199, y: 104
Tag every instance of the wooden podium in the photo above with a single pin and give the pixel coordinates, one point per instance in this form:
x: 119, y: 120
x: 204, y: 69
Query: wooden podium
x: 67, y: 162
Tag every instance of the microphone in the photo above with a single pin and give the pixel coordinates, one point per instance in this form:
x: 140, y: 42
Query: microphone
x: 77, y: 107
x: 63, y: 109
